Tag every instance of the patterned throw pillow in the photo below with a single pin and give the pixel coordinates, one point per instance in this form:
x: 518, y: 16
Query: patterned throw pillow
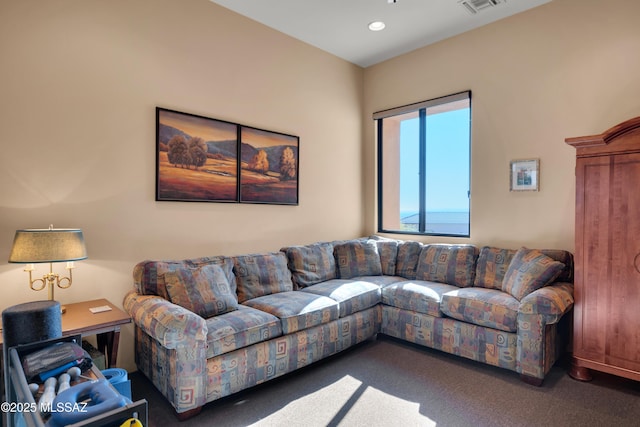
x: 451, y: 264
x: 358, y: 258
x: 261, y: 274
x: 529, y: 270
x: 204, y: 290
x: 311, y: 264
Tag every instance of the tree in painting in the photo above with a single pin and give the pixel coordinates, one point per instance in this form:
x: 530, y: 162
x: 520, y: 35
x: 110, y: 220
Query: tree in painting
x: 259, y: 162
x: 197, y: 152
x: 178, y: 151
x: 287, y: 165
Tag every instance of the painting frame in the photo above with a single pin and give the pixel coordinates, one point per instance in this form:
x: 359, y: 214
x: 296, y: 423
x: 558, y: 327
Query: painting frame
x: 188, y: 172
x: 269, y: 167
x: 203, y: 159
x: 524, y: 175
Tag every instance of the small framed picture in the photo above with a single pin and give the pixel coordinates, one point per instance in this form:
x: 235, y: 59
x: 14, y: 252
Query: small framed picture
x: 524, y: 175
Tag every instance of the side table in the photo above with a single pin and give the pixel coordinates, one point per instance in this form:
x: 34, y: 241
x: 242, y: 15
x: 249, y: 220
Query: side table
x: 79, y: 320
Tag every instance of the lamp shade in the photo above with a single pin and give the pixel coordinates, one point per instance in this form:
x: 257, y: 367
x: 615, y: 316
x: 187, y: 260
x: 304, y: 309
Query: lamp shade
x: 48, y: 245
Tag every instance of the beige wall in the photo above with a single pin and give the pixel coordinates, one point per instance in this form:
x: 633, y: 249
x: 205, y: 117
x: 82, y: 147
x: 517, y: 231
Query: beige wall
x: 79, y: 83
x: 80, y: 80
x: 568, y: 68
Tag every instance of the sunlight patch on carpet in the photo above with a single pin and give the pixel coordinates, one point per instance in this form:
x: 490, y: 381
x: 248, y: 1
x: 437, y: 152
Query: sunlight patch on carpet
x: 348, y: 402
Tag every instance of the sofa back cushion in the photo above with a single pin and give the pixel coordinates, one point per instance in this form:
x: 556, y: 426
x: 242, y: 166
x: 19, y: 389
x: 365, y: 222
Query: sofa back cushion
x: 407, y: 261
x: 492, y: 266
x: 261, y: 274
x: 529, y: 270
x: 357, y: 258
x: 203, y: 290
x: 451, y: 264
x: 149, y: 276
x: 565, y: 257
x: 311, y: 264
x: 388, y: 250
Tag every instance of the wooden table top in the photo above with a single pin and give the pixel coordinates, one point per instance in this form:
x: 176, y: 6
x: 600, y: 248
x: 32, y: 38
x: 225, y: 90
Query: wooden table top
x: 79, y: 320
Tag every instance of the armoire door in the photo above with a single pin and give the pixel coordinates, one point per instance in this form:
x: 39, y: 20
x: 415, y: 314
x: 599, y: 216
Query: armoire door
x: 607, y: 291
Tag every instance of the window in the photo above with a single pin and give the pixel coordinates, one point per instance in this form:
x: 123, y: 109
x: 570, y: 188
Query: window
x: 424, y: 153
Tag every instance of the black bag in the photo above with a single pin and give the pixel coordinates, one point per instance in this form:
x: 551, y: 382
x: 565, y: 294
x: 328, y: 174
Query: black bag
x: 55, y: 359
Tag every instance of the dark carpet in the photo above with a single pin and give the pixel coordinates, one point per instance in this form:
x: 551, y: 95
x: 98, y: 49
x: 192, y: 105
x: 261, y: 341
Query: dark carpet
x: 387, y: 382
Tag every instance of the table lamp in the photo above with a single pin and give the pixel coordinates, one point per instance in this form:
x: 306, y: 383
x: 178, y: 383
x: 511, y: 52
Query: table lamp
x: 50, y: 245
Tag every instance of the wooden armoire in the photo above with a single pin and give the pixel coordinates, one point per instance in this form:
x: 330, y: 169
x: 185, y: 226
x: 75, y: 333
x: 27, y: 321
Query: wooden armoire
x: 606, y: 329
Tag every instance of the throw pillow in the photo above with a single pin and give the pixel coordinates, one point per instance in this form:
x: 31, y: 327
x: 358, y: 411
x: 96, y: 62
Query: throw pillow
x: 204, y: 290
x: 357, y: 258
x: 529, y: 270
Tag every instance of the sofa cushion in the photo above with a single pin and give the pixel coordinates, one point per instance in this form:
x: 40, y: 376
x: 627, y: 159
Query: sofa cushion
x: 240, y: 328
x: 416, y: 295
x: 529, y: 270
x: 352, y: 295
x: 261, y: 274
x: 492, y: 266
x: 297, y: 310
x: 204, y: 290
x: 148, y: 276
x: 357, y: 258
x: 564, y: 257
x: 388, y: 250
x: 408, y: 254
x: 311, y: 264
x: 451, y: 264
x: 483, y: 307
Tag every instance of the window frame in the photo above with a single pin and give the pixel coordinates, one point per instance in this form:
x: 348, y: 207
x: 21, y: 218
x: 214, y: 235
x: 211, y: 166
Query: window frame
x: 420, y: 109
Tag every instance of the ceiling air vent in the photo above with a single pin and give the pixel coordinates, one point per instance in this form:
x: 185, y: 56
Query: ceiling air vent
x: 475, y: 6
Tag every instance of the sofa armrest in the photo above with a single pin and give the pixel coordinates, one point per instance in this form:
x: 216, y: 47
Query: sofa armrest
x: 539, y: 345
x: 552, y: 302
x: 171, y: 325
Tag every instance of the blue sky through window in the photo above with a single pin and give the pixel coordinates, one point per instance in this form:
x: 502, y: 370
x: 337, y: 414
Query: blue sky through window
x: 447, y: 168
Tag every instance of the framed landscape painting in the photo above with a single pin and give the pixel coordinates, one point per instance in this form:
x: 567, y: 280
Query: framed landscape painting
x: 268, y: 167
x: 196, y: 158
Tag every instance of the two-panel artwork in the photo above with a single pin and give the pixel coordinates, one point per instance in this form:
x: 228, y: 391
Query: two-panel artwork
x: 208, y: 160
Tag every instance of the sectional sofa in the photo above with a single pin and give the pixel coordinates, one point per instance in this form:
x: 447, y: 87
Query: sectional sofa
x: 209, y: 327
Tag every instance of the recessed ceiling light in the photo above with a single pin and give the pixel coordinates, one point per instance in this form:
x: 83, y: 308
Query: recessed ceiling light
x: 376, y: 26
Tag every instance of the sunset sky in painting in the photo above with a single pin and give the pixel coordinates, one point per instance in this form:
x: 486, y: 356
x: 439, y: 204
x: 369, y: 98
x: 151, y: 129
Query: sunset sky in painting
x: 207, y: 129
x: 259, y: 138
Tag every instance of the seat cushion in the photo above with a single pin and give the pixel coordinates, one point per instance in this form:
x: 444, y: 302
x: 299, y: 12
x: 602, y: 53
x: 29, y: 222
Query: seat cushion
x: 240, y: 328
x: 352, y: 295
x: 297, y: 310
x: 483, y: 307
x: 204, y: 290
x: 416, y: 295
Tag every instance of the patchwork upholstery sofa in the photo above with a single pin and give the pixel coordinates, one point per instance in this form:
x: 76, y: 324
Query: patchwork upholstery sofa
x: 209, y: 327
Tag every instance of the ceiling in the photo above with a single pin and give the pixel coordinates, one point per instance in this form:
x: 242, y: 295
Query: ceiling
x: 340, y: 26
